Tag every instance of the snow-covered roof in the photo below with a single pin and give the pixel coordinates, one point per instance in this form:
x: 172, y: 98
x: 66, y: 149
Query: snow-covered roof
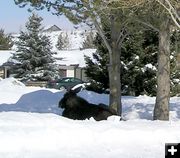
x: 52, y: 28
x: 73, y: 57
x: 5, y: 56
x: 69, y: 57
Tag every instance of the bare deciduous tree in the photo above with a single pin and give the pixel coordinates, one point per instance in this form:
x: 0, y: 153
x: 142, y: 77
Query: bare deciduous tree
x: 171, y: 6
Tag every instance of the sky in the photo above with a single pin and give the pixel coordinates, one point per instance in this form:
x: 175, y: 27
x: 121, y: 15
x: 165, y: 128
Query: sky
x: 13, y: 18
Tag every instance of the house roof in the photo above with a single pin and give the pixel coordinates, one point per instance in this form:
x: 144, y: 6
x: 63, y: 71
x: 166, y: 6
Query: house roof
x: 5, y: 56
x: 51, y: 28
x: 66, y: 57
x: 73, y: 57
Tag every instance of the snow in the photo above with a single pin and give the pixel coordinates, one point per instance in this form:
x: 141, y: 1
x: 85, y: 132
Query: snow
x: 72, y: 57
x: 148, y: 66
x: 76, y: 38
x: 63, y: 57
x: 5, y: 55
x: 31, y: 126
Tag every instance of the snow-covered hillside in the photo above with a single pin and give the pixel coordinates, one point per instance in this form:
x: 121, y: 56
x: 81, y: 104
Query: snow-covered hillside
x: 76, y: 38
x: 31, y: 126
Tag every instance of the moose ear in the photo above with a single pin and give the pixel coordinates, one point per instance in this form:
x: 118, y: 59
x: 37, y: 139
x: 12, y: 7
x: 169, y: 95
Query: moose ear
x: 77, y: 88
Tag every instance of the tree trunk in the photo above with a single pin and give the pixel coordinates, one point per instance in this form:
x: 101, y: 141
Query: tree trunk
x: 114, y: 64
x: 115, y: 68
x: 161, y: 110
x: 115, y: 82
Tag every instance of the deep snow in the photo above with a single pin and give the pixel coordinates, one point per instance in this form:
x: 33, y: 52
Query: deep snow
x: 31, y: 126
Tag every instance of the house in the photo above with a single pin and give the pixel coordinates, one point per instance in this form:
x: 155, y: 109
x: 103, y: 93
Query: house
x: 71, y: 63
x: 4, y: 58
x: 72, y: 71
x: 51, y: 28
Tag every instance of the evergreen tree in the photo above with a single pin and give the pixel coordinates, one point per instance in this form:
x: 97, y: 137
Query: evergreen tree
x: 139, y: 57
x: 97, y: 68
x: 34, y: 53
x: 138, y: 68
x: 63, y: 41
x: 5, y: 41
x: 139, y: 64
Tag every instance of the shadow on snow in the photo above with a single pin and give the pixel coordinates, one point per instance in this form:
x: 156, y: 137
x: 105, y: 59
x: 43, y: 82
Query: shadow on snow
x: 41, y: 101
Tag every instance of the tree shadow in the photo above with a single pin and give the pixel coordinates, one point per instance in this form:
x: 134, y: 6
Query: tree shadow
x: 139, y: 111
x: 144, y: 109
x: 175, y: 110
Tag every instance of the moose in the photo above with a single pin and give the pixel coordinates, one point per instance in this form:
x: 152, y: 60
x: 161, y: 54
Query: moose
x: 78, y: 108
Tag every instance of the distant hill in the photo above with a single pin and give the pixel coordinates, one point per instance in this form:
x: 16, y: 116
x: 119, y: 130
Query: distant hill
x: 76, y: 38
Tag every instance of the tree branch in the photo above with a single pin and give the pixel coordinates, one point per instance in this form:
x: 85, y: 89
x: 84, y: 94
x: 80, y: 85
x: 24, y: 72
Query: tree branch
x: 148, y: 25
x: 173, y: 13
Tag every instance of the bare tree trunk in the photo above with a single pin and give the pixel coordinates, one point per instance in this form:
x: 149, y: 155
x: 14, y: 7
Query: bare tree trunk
x: 115, y: 82
x: 115, y: 68
x: 161, y: 110
x: 114, y: 49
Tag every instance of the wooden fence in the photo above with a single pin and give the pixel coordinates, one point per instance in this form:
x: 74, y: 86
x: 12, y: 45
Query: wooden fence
x: 36, y: 83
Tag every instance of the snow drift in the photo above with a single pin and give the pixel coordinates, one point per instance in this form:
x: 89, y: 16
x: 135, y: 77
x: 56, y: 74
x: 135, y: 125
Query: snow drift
x: 31, y: 126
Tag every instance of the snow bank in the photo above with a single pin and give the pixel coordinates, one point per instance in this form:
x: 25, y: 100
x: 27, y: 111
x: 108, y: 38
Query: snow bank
x: 31, y: 126
x: 18, y: 97
x: 31, y: 135
x: 15, y: 96
x: 9, y: 82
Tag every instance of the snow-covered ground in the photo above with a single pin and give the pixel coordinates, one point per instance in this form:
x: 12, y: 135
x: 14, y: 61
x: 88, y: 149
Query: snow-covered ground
x: 31, y: 126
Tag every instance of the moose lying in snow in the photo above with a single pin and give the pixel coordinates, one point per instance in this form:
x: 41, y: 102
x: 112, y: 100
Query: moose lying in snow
x: 78, y: 108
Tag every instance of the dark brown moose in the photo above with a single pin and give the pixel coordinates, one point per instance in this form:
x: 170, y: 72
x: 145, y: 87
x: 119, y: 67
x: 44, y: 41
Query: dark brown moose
x: 78, y: 108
